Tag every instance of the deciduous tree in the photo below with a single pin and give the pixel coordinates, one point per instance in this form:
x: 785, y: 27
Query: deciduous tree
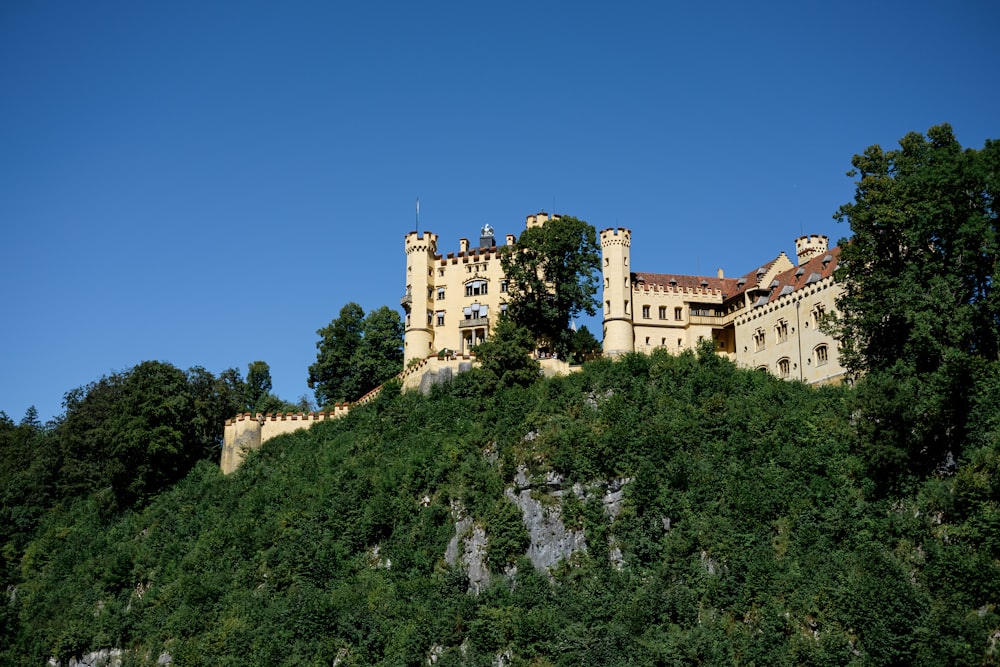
x: 552, y: 274
x: 356, y: 354
x: 919, y: 310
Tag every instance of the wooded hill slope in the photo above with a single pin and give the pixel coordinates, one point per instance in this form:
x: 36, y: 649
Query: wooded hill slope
x: 750, y: 532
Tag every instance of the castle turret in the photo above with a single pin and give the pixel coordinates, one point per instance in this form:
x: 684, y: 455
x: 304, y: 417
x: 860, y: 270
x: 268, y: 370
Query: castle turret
x: 619, y: 337
x: 418, y: 336
x: 807, y: 247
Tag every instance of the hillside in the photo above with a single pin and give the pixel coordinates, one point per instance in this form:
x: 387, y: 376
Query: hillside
x: 660, y: 510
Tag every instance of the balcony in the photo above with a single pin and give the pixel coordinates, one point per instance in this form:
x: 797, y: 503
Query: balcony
x: 711, y: 320
x: 474, y: 322
x: 406, y: 301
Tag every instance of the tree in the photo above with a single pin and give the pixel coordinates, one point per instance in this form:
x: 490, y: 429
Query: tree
x: 919, y: 310
x: 506, y: 358
x: 356, y: 354
x: 258, y: 385
x: 583, y: 345
x: 131, y: 432
x: 331, y: 376
x: 380, y: 355
x: 552, y: 274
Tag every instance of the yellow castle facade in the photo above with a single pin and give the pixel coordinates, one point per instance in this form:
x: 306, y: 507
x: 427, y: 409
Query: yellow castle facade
x: 767, y: 318
x: 453, y: 300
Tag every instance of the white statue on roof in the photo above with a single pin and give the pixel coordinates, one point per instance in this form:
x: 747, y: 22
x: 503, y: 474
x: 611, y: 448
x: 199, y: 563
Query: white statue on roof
x: 487, y: 230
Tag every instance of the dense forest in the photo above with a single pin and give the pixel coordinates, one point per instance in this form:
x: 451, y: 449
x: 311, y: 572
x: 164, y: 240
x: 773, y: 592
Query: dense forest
x: 751, y: 531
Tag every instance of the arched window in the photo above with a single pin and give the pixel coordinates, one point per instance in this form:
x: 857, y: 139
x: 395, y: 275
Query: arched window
x: 822, y: 354
x: 784, y: 367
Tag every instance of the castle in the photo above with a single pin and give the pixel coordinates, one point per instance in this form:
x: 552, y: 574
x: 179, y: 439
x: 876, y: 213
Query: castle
x: 767, y: 319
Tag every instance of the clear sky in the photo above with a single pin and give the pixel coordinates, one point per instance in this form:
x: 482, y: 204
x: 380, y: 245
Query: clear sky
x: 207, y: 183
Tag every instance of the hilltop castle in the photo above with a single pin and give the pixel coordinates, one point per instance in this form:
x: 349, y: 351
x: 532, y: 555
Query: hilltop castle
x: 766, y: 319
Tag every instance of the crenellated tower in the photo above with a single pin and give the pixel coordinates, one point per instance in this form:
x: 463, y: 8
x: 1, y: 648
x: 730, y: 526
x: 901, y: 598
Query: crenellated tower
x: 619, y: 337
x: 807, y: 247
x: 418, y: 337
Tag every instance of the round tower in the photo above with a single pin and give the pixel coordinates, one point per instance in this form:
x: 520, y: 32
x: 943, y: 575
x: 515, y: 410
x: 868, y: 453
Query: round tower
x: 619, y: 337
x: 418, y: 333
x: 807, y: 247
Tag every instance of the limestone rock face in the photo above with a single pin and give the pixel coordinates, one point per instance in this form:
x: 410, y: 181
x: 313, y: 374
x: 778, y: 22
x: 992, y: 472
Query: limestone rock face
x: 105, y: 657
x: 468, y: 548
x: 551, y: 542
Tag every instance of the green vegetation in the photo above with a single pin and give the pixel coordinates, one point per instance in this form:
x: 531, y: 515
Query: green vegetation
x: 920, y: 312
x: 552, y: 273
x: 763, y: 522
x: 356, y: 354
x: 749, y: 534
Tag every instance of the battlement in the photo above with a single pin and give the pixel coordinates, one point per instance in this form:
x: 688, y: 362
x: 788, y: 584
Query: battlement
x: 540, y: 218
x: 426, y: 242
x: 246, y: 432
x: 616, y: 236
x: 807, y: 247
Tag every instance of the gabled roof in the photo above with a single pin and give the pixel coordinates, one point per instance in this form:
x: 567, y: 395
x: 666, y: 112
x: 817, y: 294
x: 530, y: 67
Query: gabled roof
x: 818, y: 268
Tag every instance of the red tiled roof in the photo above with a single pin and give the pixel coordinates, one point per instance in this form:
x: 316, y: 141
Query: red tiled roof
x: 663, y: 281
x: 817, y: 268
x: 796, y: 277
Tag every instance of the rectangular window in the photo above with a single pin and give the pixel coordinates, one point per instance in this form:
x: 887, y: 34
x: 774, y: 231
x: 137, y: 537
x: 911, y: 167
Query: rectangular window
x: 440, y: 318
x: 441, y: 294
x: 503, y: 286
x: 818, y: 312
x: 645, y: 312
x: 663, y: 312
x: 781, y: 331
x: 678, y: 314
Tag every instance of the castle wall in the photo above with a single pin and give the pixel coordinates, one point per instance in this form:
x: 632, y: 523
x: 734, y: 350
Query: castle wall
x: 805, y: 352
x: 245, y: 432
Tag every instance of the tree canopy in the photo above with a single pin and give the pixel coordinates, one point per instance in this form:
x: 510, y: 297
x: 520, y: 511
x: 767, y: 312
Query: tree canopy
x: 356, y: 354
x: 552, y: 274
x: 919, y: 312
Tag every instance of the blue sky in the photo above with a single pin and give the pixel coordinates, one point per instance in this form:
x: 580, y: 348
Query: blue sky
x: 208, y: 183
